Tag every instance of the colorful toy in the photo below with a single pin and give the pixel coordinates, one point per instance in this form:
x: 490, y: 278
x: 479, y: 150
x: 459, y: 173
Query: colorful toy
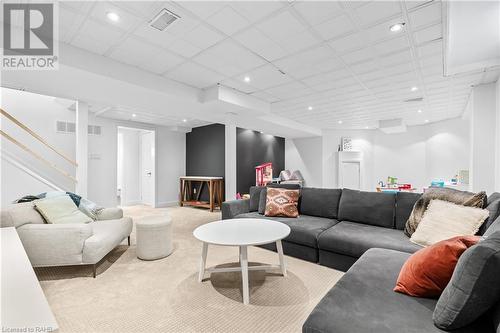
x: 263, y: 174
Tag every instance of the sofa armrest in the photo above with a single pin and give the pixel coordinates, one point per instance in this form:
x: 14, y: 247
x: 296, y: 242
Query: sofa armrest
x: 110, y: 214
x: 235, y: 207
x: 54, y: 244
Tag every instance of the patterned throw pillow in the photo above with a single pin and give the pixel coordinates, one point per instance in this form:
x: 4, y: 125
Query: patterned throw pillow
x: 282, y: 202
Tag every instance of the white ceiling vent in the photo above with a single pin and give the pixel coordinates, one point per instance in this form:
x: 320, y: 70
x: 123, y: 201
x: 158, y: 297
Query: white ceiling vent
x: 391, y: 126
x: 163, y: 19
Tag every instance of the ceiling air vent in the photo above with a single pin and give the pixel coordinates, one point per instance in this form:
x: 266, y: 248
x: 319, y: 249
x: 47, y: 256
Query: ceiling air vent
x: 163, y: 19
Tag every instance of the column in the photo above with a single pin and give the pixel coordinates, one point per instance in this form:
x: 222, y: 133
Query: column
x: 230, y: 165
x: 82, y: 121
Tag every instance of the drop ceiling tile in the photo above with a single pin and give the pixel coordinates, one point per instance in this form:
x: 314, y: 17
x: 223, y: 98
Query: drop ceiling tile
x: 392, y: 45
x: 377, y: 11
x: 183, y: 48
x: 428, y: 34
x: 259, y: 43
x: 202, y: 9
x: 289, y: 90
x: 317, y: 12
x: 430, y: 49
x: 203, y: 37
x: 253, y: 12
x: 426, y: 15
x: 299, y: 42
x: 97, y: 37
x: 239, y: 85
x: 146, y: 56
x: 395, y: 58
x: 335, y: 27
x: 145, y: 9
x: 316, y: 80
x: 229, y: 58
x: 365, y: 67
x: 127, y: 20
x: 227, y: 20
x: 69, y: 24
x: 77, y: 6
x: 194, y: 75
x: 359, y: 56
x: 265, y: 97
x: 349, y: 43
x: 281, y: 26
x: 267, y: 76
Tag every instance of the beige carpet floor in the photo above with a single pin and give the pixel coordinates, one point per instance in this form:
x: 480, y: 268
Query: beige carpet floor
x: 131, y: 295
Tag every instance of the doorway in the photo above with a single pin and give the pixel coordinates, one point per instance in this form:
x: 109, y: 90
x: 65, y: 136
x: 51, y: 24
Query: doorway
x: 136, y: 167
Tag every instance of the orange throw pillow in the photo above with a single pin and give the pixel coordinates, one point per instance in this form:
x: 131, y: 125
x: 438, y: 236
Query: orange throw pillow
x: 282, y: 202
x: 427, y: 272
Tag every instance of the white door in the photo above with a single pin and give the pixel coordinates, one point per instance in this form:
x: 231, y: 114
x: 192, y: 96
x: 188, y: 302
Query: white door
x: 148, y: 168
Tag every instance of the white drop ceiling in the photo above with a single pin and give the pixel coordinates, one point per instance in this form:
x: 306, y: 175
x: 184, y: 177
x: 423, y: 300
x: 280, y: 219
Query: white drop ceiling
x: 338, y: 57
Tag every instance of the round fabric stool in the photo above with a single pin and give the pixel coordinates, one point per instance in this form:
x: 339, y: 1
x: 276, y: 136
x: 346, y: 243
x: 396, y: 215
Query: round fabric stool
x: 154, y: 237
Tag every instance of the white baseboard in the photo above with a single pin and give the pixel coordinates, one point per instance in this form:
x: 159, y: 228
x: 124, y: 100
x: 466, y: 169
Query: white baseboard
x: 132, y: 203
x: 165, y: 204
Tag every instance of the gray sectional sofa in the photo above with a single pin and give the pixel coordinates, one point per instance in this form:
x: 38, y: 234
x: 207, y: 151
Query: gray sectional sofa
x: 361, y: 233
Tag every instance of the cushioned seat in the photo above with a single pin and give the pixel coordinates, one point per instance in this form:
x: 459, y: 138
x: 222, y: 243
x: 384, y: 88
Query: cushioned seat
x: 304, y: 229
x: 106, y: 235
x: 354, y: 239
x: 364, y: 301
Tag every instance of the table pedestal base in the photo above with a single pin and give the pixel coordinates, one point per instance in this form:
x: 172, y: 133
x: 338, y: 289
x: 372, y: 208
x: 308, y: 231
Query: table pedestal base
x: 244, y: 268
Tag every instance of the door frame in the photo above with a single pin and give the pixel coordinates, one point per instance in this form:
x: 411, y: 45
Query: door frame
x: 155, y: 160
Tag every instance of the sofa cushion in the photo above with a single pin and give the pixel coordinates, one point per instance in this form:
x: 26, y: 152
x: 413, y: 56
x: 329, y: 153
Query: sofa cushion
x: 60, y: 209
x: 322, y: 202
x: 474, y: 287
x: 263, y: 194
x: 19, y: 214
x: 494, y: 211
x: 304, y: 229
x: 282, y: 202
x: 363, y: 301
x: 106, y: 236
x: 427, y: 272
x: 255, y: 197
x: 367, y: 207
x: 354, y: 239
x: 443, y: 220
x: 404, y: 205
x: 494, y: 227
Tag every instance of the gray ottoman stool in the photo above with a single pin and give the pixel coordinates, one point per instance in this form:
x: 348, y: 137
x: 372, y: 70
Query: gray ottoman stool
x: 154, y: 237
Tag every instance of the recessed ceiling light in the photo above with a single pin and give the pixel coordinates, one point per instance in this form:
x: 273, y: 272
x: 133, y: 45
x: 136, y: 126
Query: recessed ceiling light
x: 414, y: 88
x: 309, y: 108
x: 366, y: 127
x: 112, y: 16
x: 397, y: 27
x: 419, y: 111
x: 261, y: 132
x: 184, y: 120
x: 340, y: 121
x: 134, y: 115
x: 246, y: 79
x: 426, y: 120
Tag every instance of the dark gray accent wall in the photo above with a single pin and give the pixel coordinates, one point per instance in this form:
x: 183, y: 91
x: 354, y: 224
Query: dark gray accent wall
x: 205, y: 153
x: 254, y: 148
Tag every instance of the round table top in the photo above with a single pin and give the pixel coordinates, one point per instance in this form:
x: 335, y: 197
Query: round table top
x: 240, y: 232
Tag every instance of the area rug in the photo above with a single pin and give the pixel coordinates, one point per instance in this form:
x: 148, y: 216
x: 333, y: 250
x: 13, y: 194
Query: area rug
x: 131, y: 295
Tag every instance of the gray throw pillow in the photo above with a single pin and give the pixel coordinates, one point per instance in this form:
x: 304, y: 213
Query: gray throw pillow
x: 473, y: 288
x: 262, y: 201
x: 494, y: 209
x: 255, y: 197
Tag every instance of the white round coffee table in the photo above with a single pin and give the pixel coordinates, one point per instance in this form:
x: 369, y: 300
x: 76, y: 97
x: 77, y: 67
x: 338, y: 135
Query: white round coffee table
x: 242, y: 233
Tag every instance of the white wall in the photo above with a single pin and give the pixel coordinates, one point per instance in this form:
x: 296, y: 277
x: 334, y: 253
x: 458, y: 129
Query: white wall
x: 41, y: 112
x: 422, y: 154
x: 306, y: 155
x: 483, y: 128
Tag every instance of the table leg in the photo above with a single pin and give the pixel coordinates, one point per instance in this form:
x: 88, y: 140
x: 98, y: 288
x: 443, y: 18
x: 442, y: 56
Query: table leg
x: 181, y: 192
x: 244, y: 273
x: 279, y: 246
x: 203, y: 261
x: 211, y: 194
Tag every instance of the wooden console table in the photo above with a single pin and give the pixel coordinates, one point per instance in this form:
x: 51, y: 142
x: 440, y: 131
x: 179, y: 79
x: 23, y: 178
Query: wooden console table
x: 215, y: 191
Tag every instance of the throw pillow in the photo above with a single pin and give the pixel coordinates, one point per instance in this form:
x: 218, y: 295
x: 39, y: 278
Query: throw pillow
x: 473, y: 288
x: 444, y: 220
x: 494, y: 209
x: 427, y: 272
x: 60, y: 209
x: 282, y: 202
x: 463, y: 198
